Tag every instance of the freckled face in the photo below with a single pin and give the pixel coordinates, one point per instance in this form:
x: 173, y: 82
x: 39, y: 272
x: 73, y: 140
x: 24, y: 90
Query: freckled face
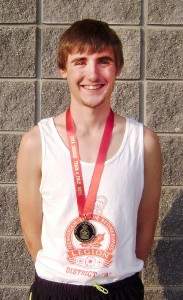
x: 91, y: 77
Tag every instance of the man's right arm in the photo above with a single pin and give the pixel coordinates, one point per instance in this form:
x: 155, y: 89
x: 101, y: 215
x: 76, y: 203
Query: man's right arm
x: 29, y: 197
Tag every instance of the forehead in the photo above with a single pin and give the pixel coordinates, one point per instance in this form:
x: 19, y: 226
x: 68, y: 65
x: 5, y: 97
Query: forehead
x: 108, y: 52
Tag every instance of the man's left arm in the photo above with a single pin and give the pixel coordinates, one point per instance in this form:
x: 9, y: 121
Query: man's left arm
x: 149, y: 205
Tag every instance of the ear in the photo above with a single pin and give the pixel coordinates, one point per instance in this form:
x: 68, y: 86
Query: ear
x: 63, y: 73
x: 118, y: 72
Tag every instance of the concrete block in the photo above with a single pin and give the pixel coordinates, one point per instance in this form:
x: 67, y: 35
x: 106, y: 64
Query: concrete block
x: 22, y: 272
x: 18, y: 11
x: 131, y: 50
x: 55, y: 98
x: 165, y: 264
x: 9, y: 144
x: 171, y: 293
x: 9, y: 216
x: 12, y: 293
x: 170, y: 213
x: 17, y: 50
x: 125, y: 99
x: 119, y: 11
x: 164, y: 106
x: 172, y: 159
x: 165, y: 12
x: 17, y: 105
x: 131, y: 47
x: 51, y: 37
x: 164, y: 54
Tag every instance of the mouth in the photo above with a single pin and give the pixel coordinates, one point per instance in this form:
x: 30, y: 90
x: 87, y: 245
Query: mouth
x: 92, y: 87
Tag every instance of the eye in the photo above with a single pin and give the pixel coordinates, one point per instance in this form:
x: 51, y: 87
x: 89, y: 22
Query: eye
x: 104, y: 61
x: 80, y: 62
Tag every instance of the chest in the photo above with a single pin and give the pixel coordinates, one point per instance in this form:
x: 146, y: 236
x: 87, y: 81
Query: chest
x: 89, y: 144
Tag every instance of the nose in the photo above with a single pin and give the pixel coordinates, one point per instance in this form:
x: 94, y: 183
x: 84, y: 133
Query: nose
x: 92, y: 71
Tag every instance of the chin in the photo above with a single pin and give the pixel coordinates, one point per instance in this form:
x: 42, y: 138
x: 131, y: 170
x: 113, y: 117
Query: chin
x: 95, y: 101
x: 93, y: 104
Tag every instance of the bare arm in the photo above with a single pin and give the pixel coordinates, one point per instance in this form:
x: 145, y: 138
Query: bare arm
x: 29, y: 197
x: 149, y: 206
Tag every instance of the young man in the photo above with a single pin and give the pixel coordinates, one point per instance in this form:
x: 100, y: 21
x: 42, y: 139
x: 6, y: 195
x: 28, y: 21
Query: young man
x: 89, y: 181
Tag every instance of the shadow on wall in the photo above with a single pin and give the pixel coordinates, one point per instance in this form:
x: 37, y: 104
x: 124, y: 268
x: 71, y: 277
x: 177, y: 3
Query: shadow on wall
x: 169, y: 254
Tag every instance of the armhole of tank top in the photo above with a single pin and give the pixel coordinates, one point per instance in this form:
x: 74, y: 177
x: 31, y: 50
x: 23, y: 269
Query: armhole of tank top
x: 140, y: 137
x: 43, y: 151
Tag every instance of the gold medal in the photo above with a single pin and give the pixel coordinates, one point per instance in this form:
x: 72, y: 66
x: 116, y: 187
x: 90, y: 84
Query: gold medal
x: 85, y: 232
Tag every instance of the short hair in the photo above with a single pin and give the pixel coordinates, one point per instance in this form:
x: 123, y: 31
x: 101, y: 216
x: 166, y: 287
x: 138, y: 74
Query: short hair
x: 91, y: 36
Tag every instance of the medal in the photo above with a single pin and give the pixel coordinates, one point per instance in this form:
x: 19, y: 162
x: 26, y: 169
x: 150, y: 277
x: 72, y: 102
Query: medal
x: 85, y: 231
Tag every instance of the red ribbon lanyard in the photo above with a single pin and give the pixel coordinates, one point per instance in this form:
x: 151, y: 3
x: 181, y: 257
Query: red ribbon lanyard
x: 86, y: 205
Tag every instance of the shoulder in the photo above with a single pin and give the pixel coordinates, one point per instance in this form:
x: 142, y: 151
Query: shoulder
x: 151, y: 141
x: 125, y: 120
x: 32, y: 137
x: 31, y: 143
x: 152, y: 153
x: 60, y: 120
x: 132, y: 127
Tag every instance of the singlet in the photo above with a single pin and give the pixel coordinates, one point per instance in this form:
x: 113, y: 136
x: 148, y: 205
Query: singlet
x: 111, y: 255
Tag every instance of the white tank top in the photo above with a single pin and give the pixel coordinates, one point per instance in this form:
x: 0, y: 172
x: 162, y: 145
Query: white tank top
x: 111, y: 255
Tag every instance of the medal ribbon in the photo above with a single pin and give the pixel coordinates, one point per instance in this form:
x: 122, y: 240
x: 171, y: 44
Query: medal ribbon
x: 86, y: 205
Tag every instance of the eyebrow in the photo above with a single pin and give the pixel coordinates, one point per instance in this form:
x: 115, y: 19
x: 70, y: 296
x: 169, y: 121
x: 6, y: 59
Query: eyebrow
x: 106, y: 57
x: 82, y: 58
x: 77, y: 59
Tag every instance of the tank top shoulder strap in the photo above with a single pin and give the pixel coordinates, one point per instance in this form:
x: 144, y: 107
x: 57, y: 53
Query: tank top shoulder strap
x: 46, y: 132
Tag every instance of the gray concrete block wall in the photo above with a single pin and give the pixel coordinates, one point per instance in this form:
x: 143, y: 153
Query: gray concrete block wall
x: 150, y: 90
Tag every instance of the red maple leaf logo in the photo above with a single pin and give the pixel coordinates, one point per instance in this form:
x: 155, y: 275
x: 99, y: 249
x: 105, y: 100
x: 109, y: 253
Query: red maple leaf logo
x: 95, y: 243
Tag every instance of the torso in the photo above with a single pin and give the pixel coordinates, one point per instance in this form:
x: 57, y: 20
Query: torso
x: 117, y: 203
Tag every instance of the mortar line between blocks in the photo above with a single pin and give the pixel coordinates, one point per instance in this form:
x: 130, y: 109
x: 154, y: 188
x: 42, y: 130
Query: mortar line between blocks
x: 38, y: 60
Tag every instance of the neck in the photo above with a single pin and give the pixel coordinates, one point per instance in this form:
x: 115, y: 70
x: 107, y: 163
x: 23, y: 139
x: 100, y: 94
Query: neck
x: 89, y: 119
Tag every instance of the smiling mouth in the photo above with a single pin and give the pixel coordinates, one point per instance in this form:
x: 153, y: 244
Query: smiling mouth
x: 92, y: 87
